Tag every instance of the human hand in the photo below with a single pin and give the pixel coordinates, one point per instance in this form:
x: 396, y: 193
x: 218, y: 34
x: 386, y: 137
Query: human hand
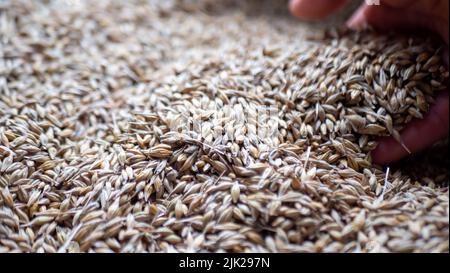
x: 430, y: 15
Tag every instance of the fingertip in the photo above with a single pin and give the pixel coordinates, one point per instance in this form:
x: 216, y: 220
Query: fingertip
x: 387, y: 151
x: 377, y: 154
x: 294, y: 7
x: 358, y: 18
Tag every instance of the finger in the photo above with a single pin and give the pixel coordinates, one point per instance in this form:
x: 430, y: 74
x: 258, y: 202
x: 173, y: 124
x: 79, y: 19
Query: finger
x: 418, y: 135
x: 384, y: 17
x: 388, y: 17
x: 314, y: 9
x: 436, y: 8
x: 358, y: 18
x: 429, y: 8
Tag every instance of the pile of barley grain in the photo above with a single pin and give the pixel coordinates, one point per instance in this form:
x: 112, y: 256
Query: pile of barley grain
x: 96, y: 96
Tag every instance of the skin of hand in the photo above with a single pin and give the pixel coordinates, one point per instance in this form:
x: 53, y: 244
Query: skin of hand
x: 432, y: 15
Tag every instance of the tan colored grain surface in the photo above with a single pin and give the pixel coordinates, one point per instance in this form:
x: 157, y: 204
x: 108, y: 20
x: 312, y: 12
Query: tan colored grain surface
x: 95, y: 97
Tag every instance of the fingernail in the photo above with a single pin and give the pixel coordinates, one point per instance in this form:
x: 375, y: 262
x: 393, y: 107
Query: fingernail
x: 292, y: 4
x: 358, y: 18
